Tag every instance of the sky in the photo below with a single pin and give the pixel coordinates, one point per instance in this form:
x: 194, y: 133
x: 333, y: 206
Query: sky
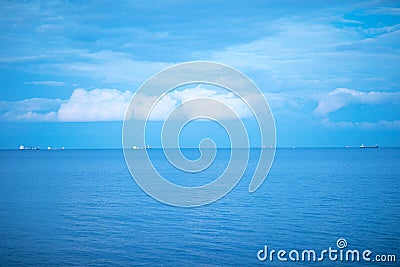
x: 328, y: 69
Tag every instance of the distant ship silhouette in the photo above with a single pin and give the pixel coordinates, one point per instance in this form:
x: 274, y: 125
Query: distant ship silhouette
x: 362, y: 146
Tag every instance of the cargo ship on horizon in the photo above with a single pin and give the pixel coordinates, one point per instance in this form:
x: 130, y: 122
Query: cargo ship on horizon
x: 362, y: 146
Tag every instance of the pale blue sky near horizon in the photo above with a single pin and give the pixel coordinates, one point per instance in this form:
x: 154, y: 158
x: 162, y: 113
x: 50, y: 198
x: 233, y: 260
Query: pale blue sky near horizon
x: 329, y: 70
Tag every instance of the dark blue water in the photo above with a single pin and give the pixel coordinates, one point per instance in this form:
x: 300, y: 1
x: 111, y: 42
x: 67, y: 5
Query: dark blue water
x: 81, y: 207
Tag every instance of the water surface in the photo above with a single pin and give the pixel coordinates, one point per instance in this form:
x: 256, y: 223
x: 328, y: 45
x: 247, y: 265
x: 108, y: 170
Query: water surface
x: 81, y: 207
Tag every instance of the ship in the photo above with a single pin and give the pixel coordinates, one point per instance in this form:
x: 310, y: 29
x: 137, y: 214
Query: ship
x: 141, y: 148
x: 362, y: 146
x: 22, y: 147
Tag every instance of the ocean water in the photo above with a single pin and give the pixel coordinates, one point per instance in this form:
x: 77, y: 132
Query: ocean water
x: 81, y: 207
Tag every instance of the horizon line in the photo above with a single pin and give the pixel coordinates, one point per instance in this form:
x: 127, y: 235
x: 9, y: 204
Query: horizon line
x: 158, y: 148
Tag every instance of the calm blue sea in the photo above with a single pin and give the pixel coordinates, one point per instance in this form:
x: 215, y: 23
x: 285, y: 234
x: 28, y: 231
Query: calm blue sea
x: 81, y: 207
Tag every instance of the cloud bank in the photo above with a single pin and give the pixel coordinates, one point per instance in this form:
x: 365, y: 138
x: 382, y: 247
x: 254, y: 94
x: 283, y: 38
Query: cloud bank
x: 111, y: 104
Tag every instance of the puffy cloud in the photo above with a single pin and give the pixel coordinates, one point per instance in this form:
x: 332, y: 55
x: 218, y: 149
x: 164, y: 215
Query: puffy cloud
x: 172, y: 100
x: 95, y: 105
x: 228, y: 99
x: 83, y: 105
x: 342, y: 97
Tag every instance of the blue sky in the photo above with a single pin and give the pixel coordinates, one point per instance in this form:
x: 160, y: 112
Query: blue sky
x: 329, y: 71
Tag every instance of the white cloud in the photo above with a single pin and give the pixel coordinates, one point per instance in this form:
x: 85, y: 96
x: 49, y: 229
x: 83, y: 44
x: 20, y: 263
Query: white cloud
x: 172, y: 100
x: 342, y: 97
x: 95, y: 105
x: 50, y: 83
x: 83, y: 105
x: 228, y: 99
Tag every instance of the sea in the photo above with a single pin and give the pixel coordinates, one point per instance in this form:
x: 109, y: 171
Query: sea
x: 83, y: 208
